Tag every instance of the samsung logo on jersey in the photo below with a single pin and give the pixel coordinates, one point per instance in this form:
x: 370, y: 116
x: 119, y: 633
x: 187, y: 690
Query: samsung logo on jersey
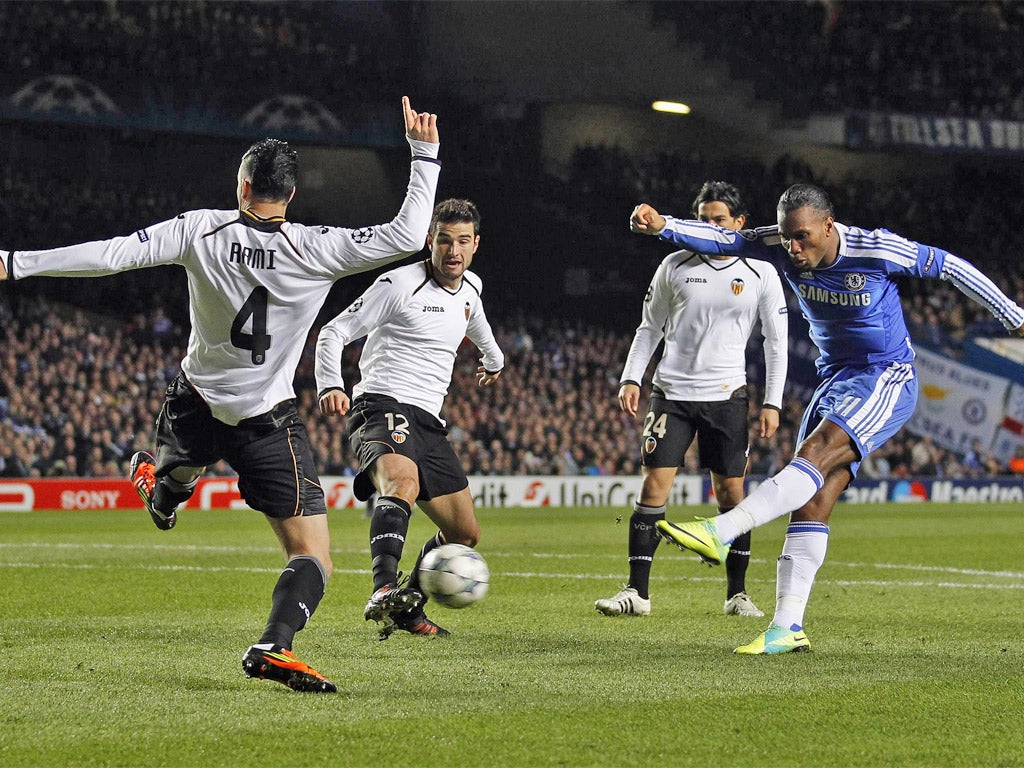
x: 838, y: 298
x: 695, y: 280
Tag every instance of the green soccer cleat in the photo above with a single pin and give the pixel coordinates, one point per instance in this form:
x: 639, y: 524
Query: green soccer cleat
x: 699, y: 536
x: 776, y: 639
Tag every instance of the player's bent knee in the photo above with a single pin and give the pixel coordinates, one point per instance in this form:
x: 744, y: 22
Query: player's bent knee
x: 470, y: 537
x: 328, y: 566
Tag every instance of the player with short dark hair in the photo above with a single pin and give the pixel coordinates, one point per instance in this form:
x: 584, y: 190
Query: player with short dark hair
x: 845, y: 280
x: 256, y: 282
x: 414, y: 319
x: 704, y: 309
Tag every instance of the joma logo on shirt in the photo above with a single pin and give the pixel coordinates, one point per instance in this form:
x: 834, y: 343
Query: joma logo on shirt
x: 257, y: 258
x: 695, y: 280
x: 428, y: 308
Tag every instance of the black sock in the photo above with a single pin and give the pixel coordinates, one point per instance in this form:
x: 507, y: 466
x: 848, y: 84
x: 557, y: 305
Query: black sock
x: 432, y: 543
x: 388, y: 527
x: 169, y: 494
x: 643, y: 540
x: 736, y: 562
x: 296, y: 596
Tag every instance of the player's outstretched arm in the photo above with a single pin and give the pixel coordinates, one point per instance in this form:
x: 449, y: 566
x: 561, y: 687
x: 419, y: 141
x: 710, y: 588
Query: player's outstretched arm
x: 419, y: 126
x: 978, y: 287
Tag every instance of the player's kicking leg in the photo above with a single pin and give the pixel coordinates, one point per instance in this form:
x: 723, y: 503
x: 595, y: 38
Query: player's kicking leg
x: 454, y: 515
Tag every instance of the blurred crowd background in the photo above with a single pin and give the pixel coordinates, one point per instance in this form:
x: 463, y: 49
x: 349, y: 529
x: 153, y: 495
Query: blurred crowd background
x: 83, y: 364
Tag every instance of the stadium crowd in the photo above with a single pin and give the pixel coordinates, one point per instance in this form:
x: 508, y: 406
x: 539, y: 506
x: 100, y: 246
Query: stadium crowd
x: 79, y: 394
x: 312, y: 45
x: 863, y: 54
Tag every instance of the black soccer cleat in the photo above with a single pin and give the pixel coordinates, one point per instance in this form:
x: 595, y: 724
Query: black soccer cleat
x: 389, y: 599
x: 415, y: 622
x: 281, y: 666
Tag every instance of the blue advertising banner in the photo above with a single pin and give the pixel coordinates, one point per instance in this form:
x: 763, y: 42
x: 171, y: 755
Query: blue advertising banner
x: 941, y: 133
x: 913, y: 490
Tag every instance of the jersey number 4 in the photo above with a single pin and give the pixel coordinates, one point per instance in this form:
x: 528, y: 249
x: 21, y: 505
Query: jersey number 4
x: 257, y: 342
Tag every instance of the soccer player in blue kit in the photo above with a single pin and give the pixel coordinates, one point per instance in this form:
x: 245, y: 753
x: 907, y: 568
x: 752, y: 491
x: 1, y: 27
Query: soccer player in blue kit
x: 844, y: 279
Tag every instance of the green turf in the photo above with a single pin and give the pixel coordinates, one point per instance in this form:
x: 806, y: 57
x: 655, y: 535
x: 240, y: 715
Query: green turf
x: 121, y: 646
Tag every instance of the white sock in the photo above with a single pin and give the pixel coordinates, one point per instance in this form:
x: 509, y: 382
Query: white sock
x: 794, y: 485
x: 802, y: 556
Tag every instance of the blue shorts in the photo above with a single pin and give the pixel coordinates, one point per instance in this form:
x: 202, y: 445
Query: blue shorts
x: 871, y: 404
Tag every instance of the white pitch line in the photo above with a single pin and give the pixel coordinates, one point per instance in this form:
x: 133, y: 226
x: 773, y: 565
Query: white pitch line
x: 232, y: 549
x: 511, y: 574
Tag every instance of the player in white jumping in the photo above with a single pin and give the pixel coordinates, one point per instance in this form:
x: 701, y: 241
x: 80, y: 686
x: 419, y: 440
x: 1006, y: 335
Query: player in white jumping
x: 256, y: 282
x: 704, y: 308
x: 414, y: 319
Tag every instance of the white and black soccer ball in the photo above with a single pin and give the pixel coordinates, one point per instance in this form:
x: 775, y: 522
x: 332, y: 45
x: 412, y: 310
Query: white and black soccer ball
x: 292, y: 112
x: 454, y: 575
x: 64, y: 93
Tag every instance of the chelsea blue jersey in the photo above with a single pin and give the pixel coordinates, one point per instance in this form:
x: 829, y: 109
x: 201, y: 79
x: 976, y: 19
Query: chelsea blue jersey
x: 853, y: 305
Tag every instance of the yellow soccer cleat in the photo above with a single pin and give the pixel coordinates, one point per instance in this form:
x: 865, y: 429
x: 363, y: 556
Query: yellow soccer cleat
x: 776, y: 639
x: 699, y: 536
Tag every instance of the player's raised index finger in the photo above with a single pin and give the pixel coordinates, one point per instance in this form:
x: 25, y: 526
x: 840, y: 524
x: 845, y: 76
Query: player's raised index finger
x: 408, y: 113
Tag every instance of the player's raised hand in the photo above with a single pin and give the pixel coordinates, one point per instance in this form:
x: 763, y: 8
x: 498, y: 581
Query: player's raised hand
x: 421, y: 126
x: 334, y: 401
x: 646, y: 221
x: 629, y: 398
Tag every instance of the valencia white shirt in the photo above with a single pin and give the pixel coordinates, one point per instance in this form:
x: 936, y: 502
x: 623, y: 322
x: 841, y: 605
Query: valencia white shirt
x: 255, y: 285
x: 705, y: 310
x: 414, y: 328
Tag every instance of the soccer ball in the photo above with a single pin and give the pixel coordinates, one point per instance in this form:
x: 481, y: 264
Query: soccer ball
x: 454, y: 575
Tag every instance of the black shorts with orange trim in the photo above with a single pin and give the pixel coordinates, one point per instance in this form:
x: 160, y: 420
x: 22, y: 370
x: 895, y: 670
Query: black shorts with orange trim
x: 379, y: 424
x: 271, y: 452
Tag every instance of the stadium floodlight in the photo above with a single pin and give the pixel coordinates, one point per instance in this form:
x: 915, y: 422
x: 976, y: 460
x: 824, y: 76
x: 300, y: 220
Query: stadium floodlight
x: 675, y: 107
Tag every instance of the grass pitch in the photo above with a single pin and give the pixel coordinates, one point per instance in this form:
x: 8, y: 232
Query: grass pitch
x: 121, y: 646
